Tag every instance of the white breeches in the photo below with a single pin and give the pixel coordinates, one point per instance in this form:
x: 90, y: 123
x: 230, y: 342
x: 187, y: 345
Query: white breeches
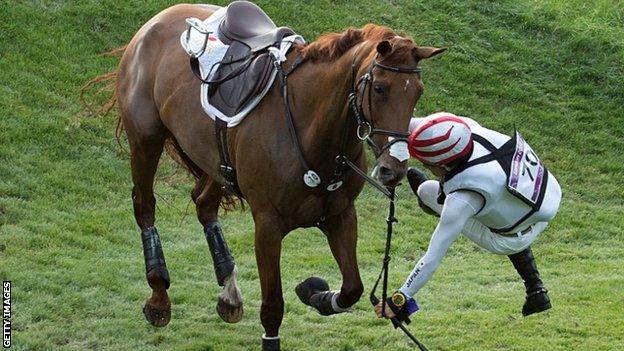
x: 479, y: 233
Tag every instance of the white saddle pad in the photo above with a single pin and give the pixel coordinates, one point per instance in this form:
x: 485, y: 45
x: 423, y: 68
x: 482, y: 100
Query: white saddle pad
x: 213, y: 54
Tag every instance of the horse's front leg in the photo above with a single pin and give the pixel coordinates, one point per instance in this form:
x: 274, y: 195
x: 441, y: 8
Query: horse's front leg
x: 341, y: 232
x: 268, y: 246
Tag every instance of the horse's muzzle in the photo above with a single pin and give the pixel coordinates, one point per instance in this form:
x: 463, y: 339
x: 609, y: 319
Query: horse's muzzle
x: 390, y: 176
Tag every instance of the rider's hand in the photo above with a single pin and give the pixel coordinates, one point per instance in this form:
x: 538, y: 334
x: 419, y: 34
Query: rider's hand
x: 389, y: 313
x: 399, y: 306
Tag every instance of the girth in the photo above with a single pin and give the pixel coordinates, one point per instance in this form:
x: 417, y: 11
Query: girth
x: 227, y: 170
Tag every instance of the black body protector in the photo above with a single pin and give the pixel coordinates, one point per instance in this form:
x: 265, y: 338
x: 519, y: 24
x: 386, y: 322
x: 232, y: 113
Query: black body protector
x: 530, y: 189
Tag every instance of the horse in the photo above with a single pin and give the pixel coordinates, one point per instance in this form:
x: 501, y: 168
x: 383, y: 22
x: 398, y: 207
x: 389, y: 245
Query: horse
x: 360, y: 84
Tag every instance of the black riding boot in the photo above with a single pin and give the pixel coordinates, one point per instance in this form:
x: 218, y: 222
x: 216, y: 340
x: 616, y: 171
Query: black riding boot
x: 415, y: 177
x: 537, y: 296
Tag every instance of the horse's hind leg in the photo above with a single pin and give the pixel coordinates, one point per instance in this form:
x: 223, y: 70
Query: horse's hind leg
x: 207, y: 197
x: 146, y: 136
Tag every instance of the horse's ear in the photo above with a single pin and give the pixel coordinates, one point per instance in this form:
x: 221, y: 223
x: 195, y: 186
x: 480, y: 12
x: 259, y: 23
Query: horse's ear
x: 425, y: 52
x: 384, y: 47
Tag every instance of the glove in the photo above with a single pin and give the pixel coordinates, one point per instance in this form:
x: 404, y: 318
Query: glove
x: 402, y: 306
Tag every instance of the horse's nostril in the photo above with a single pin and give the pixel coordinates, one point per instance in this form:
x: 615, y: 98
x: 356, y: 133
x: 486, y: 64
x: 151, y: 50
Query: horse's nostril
x: 386, y: 174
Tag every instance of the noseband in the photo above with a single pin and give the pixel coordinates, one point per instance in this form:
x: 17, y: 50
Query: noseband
x: 366, y: 128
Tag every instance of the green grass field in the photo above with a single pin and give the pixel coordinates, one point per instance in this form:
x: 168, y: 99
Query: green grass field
x: 69, y: 243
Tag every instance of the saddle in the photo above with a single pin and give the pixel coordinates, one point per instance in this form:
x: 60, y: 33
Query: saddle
x: 246, y: 72
x: 247, y: 66
x: 247, y: 23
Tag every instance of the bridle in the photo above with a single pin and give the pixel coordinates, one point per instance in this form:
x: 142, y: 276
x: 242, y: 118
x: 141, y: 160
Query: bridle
x: 366, y: 128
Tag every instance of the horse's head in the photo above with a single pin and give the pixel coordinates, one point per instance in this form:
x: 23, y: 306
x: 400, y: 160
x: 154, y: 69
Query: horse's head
x: 386, y: 93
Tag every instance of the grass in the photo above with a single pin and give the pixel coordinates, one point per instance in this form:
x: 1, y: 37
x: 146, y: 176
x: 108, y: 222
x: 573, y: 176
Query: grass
x: 69, y: 243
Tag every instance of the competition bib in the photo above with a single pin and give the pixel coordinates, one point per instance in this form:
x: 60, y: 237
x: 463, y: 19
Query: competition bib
x: 526, y: 173
x: 512, y: 168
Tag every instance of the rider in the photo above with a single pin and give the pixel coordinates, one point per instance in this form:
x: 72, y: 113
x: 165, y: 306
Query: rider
x: 492, y: 188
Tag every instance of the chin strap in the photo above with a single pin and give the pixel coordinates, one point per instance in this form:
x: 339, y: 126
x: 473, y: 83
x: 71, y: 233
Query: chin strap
x: 396, y: 322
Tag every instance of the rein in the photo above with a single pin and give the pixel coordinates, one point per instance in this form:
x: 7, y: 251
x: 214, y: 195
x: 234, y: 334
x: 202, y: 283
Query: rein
x: 365, y: 129
x: 390, y: 220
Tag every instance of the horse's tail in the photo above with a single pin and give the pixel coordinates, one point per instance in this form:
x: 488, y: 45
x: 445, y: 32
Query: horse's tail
x: 106, y: 84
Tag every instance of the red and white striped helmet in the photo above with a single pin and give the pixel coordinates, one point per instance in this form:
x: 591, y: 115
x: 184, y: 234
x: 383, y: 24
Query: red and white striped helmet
x: 440, y: 139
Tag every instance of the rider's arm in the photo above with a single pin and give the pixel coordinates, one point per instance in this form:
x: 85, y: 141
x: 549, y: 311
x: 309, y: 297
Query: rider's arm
x: 458, y: 208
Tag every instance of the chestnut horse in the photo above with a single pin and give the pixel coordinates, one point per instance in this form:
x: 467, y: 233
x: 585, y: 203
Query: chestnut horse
x: 158, y: 102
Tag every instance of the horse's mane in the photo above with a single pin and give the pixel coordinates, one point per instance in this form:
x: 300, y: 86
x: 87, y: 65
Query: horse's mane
x: 331, y: 46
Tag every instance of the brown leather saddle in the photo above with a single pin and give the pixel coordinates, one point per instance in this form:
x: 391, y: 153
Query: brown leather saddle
x: 243, y: 73
x: 247, y: 66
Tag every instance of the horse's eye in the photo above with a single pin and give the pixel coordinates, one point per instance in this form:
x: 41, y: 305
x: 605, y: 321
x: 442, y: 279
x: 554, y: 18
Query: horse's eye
x: 380, y: 89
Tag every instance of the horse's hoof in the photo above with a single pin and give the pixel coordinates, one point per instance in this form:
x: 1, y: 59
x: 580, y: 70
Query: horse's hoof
x: 158, y: 317
x: 228, y: 312
x: 309, y: 287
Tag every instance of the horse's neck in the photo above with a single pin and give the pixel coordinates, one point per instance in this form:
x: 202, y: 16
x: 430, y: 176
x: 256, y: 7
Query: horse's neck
x: 320, y: 108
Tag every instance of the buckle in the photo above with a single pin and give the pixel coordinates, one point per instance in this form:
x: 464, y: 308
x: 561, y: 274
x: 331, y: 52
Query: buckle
x: 334, y: 185
x: 536, y: 292
x: 367, y: 128
x: 311, y: 179
x: 226, y: 169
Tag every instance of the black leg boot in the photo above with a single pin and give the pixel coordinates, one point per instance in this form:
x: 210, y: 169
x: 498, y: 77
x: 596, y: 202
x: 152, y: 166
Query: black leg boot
x: 537, y: 296
x: 270, y: 343
x: 221, y: 257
